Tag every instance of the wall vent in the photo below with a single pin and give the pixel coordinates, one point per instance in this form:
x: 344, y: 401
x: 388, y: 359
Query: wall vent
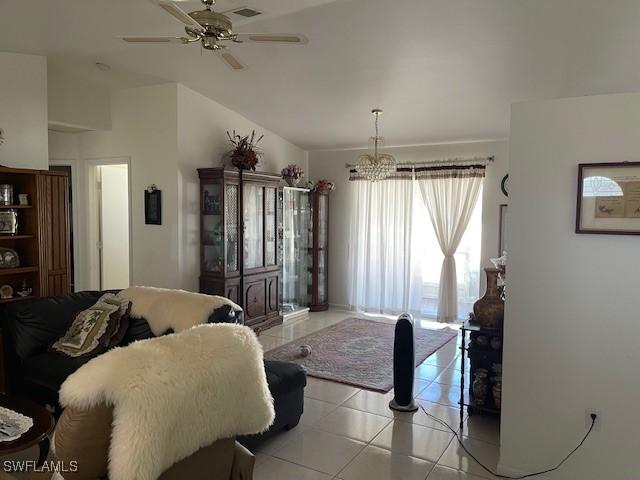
x: 247, y: 12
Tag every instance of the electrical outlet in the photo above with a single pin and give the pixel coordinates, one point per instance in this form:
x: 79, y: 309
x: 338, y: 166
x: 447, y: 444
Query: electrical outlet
x: 587, y: 418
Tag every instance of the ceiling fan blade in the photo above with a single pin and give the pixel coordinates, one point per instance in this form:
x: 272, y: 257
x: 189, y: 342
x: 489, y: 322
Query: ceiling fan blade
x: 232, y: 61
x: 172, y: 9
x: 292, y: 39
x: 180, y: 40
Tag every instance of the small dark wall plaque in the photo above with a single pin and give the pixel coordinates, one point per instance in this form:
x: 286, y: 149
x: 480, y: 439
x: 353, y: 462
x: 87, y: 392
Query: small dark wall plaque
x: 153, y: 207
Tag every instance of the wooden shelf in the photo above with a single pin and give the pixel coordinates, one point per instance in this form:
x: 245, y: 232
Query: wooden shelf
x: 15, y: 237
x: 18, y: 271
x: 15, y: 206
x: 15, y: 299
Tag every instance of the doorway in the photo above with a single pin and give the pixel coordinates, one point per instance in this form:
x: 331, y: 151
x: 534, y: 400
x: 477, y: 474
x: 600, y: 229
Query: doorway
x: 110, y: 226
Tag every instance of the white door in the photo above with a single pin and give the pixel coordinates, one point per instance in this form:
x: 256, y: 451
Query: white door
x: 113, y: 245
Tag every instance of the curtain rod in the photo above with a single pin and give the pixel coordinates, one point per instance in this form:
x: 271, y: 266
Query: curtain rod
x: 448, y: 161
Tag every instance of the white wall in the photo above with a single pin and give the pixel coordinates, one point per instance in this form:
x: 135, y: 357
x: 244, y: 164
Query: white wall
x: 202, y: 141
x: 571, y: 322
x: 64, y: 146
x: 77, y: 101
x: 331, y: 165
x: 168, y: 131
x: 144, y: 129
x: 23, y: 110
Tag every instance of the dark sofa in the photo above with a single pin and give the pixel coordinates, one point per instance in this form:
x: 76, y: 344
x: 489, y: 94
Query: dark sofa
x: 29, y: 327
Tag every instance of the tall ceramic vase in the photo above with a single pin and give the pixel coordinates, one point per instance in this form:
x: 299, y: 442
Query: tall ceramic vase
x: 489, y: 310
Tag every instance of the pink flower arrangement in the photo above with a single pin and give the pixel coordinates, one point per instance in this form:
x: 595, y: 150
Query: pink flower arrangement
x: 323, y: 185
x: 292, y: 171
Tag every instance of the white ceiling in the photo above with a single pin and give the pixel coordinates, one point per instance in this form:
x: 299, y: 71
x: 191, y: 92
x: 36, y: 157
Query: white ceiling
x: 443, y: 70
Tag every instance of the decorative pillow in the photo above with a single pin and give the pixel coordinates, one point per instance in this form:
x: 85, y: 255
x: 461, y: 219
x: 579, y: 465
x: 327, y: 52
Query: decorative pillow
x: 121, y: 325
x: 95, y: 329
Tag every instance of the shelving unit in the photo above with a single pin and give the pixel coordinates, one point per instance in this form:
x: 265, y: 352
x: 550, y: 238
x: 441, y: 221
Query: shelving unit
x: 14, y: 299
x: 482, y: 355
x: 296, y: 258
x: 42, y: 239
x: 15, y: 237
x: 319, y: 287
x: 18, y: 271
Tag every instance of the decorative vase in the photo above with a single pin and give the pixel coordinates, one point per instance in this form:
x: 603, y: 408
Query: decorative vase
x: 489, y: 310
x: 482, y: 341
x: 497, y: 394
x: 292, y: 181
x: 480, y: 386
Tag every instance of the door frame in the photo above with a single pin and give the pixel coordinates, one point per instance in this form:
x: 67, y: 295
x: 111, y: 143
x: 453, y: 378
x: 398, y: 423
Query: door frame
x: 95, y: 162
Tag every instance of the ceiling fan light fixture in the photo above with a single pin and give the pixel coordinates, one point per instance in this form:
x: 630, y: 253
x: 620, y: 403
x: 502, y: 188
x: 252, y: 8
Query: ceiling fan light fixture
x: 213, y: 29
x: 211, y: 43
x: 375, y: 166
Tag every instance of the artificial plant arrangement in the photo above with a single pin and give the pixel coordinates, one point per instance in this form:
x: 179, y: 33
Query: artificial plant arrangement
x: 245, y: 154
x: 323, y: 185
x: 292, y: 174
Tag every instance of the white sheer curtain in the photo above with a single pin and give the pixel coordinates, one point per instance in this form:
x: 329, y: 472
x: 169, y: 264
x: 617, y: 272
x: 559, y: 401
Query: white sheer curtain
x: 450, y: 199
x: 380, y: 258
x: 394, y: 254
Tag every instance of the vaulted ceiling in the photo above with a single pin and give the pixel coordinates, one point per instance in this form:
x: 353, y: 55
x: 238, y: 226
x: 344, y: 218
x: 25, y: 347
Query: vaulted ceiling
x: 443, y: 70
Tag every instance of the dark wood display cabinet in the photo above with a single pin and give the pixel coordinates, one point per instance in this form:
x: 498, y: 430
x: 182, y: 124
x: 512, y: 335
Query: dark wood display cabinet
x: 482, y: 393
x: 41, y: 238
x: 319, y: 288
x: 239, y: 226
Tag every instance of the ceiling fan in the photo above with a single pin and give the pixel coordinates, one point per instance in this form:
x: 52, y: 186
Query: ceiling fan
x: 213, y: 30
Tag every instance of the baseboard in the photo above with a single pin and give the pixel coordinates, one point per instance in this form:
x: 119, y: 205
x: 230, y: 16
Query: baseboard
x: 337, y: 306
x: 295, y: 316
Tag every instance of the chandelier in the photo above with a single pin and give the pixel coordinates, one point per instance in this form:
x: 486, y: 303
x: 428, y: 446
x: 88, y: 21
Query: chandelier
x: 375, y: 166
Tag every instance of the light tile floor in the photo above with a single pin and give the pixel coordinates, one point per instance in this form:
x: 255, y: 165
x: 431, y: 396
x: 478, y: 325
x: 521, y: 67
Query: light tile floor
x: 347, y: 433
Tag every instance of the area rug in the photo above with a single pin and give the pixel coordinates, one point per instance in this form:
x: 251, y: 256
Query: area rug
x: 357, y: 352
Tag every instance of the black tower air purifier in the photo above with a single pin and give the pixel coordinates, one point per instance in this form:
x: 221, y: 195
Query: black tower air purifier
x: 403, y: 365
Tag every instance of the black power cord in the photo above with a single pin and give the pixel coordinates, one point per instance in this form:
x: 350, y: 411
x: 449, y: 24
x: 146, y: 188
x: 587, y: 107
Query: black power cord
x: 487, y: 469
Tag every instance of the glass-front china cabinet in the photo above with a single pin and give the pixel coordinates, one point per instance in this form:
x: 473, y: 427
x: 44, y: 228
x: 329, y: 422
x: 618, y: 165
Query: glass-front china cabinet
x: 239, y: 241
x: 319, y: 291
x: 296, y: 247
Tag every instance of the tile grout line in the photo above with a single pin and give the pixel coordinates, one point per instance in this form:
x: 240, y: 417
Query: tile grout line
x: 431, y: 381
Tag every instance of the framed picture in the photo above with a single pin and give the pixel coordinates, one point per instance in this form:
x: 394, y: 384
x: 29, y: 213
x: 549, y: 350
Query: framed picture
x: 609, y: 198
x: 153, y: 207
x: 502, y: 235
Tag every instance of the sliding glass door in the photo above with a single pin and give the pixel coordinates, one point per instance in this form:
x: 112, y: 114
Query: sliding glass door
x: 395, y: 258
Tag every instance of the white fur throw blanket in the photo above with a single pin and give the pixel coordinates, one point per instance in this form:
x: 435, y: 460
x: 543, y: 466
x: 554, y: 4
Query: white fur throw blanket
x: 174, y: 394
x: 164, y: 308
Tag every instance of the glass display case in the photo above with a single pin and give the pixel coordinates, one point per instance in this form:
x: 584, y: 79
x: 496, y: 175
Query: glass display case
x: 212, y: 228
x: 239, y: 241
x: 319, y: 291
x: 296, y: 243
